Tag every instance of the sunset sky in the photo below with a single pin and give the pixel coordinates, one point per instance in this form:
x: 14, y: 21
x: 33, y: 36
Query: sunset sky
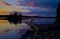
x: 29, y: 8
x: 35, y: 7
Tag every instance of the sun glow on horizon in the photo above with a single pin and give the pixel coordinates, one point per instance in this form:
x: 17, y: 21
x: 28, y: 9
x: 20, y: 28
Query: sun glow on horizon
x: 4, y: 7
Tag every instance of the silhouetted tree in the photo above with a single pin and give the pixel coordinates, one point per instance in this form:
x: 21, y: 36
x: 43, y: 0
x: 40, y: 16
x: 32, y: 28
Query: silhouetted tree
x: 58, y: 13
x: 20, y: 18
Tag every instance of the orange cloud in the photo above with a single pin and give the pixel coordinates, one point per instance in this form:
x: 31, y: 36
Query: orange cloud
x: 5, y: 7
x: 4, y: 3
x: 3, y: 21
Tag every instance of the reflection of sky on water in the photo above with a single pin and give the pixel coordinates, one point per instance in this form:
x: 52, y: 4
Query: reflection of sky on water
x: 14, y: 32
x: 44, y: 20
x: 41, y: 8
x: 10, y: 31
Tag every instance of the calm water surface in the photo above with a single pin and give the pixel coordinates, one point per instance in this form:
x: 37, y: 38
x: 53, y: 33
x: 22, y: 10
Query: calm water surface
x: 11, y: 31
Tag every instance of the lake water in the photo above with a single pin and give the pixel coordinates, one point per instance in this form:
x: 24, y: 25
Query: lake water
x: 11, y: 31
x: 43, y: 20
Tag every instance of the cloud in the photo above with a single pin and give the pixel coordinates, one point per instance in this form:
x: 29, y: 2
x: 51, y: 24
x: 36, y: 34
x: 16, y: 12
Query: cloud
x: 30, y: 4
x: 4, y: 3
x: 51, y: 3
x: 30, y: 14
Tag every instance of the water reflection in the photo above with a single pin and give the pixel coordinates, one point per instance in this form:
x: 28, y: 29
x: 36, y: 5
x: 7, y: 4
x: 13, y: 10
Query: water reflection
x: 12, y: 31
x: 42, y: 20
